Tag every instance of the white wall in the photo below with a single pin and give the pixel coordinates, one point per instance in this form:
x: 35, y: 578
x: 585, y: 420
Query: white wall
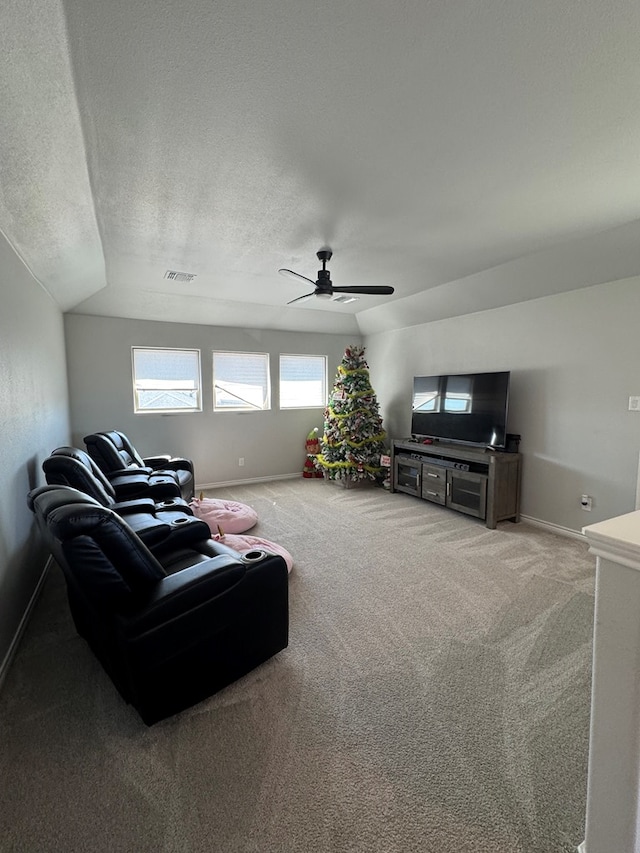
x: 574, y: 360
x: 35, y: 419
x: 100, y: 388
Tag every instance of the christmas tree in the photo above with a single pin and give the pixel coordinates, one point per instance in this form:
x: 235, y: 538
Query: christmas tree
x: 353, y: 437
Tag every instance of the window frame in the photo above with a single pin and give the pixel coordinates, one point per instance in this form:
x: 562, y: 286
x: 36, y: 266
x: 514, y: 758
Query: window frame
x: 160, y: 411
x: 266, y: 407
x: 325, y: 388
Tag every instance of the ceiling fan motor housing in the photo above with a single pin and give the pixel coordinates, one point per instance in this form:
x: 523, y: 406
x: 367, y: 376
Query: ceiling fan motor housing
x: 324, y: 280
x: 323, y: 283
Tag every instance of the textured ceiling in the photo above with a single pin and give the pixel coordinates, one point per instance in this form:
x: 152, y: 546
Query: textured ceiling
x: 469, y: 154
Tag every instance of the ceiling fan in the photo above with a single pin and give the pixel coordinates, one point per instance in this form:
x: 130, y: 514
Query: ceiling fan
x: 324, y: 287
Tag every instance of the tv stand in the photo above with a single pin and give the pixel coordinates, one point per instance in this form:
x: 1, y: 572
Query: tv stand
x: 478, y: 481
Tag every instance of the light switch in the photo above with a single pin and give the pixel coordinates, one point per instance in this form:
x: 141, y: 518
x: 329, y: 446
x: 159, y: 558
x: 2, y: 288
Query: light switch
x: 634, y: 404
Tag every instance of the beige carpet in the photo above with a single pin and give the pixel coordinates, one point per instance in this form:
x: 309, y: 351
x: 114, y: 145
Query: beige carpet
x: 434, y: 698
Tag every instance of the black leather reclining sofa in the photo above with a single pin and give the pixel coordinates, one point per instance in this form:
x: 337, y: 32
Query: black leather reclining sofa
x: 114, y: 453
x: 169, y: 628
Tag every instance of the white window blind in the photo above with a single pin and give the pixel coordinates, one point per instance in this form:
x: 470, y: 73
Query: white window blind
x: 303, y: 381
x: 241, y: 382
x: 166, y: 380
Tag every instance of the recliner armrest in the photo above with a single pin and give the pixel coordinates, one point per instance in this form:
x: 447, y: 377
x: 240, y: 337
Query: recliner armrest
x: 128, y: 473
x: 185, y: 590
x: 133, y: 483
x: 173, y: 504
x: 176, y: 463
x: 134, y: 506
x: 190, y: 611
x: 148, y: 505
x: 156, y: 461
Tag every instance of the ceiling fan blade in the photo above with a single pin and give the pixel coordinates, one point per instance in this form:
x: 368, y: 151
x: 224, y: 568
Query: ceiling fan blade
x: 292, y: 274
x: 324, y: 288
x: 301, y: 298
x: 371, y: 289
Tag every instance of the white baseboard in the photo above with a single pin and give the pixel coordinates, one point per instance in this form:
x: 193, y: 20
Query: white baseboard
x: 204, y: 486
x: 554, y: 528
x: 535, y: 522
x: 582, y: 847
x: 13, y: 648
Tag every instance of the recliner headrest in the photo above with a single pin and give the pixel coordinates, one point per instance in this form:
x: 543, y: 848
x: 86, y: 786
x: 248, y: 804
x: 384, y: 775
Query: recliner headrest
x: 94, y: 540
x: 83, y: 457
x: 44, y: 499
x: 112, y: 450
x: 70, y: 467
x: 125, y: 447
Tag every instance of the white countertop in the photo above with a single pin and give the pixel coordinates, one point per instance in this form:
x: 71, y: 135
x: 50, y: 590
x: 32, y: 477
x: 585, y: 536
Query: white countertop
x: 617, y: 538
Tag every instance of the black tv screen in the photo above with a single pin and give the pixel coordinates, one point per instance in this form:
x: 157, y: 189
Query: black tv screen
x: 469, y: 408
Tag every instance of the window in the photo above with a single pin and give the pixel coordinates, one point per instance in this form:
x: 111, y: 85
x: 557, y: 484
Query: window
x: 241, y: 382
x: 303, y: 381
x: 166, y: 380
x: 442, y: 394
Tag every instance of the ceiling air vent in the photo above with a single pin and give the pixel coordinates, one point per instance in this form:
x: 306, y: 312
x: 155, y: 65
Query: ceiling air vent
x: 344, y: 299
x: 179, y: 276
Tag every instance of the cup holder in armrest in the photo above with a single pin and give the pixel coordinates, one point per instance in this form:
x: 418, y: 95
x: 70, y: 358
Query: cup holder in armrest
x: 185, y: 520
x: 168, y: 503
x: 253, y: 556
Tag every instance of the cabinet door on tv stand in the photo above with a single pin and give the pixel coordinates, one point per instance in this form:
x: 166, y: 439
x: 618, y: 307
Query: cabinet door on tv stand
x: 407, y: 475
x: 467, y: 492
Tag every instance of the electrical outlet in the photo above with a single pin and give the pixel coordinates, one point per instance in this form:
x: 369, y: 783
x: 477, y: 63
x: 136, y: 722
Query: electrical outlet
x: 241, y: 461
x: 634, y: 404
x: 586, y: 502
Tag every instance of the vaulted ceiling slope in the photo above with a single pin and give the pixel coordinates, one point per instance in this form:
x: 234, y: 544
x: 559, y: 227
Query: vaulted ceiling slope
x: 468, y: 154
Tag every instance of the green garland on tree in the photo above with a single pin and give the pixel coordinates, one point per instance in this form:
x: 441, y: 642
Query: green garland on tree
x: 353, y: 437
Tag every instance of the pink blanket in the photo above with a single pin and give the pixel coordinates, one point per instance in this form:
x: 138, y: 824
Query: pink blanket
x: 229, y: 516
x: 249, y: 543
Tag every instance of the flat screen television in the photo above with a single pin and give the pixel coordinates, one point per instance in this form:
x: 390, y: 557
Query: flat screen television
x: 466, y: 408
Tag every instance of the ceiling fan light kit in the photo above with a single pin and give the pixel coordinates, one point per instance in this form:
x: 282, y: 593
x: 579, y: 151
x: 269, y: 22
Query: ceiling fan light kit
x: 324, y: 287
